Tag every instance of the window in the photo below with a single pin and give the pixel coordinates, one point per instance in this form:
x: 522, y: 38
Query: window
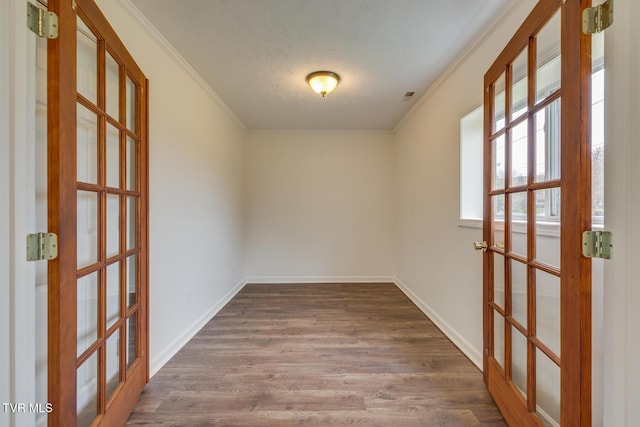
x: 471, y: 166
x: 547, y: 203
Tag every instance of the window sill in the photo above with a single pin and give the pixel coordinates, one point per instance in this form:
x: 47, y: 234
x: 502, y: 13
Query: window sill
x: 545, y: 228
x: 470, y: 223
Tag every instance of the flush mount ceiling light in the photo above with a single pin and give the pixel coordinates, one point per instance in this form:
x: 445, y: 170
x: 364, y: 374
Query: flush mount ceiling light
x: 323, y: 82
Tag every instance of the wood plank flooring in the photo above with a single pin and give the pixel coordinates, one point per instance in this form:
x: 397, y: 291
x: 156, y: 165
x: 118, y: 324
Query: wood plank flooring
x: 318, y: 355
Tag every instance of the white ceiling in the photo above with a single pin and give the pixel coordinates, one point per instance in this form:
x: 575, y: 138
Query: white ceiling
x: 255, y: 54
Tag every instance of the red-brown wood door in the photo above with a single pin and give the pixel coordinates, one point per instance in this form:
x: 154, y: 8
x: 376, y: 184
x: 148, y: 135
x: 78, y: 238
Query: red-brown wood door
x: 97, y: 204
x: 537, y: 284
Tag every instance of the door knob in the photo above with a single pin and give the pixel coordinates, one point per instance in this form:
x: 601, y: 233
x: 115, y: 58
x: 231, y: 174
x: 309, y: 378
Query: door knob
x: 480, y: 246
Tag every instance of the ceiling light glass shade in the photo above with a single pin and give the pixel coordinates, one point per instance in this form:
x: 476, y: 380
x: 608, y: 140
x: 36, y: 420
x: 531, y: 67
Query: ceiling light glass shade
x: 323, y: 82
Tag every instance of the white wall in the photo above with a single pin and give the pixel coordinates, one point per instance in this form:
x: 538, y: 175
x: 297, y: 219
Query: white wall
x: 435, y: 262
x: 196, y: 190
x: 319, y: 207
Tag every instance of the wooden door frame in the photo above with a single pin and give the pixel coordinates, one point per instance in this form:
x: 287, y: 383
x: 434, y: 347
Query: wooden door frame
x: 62, y: 216
x: 575, y: 195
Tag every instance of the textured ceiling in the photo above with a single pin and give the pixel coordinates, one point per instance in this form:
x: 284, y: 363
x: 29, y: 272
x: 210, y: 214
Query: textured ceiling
x: 255, y: 54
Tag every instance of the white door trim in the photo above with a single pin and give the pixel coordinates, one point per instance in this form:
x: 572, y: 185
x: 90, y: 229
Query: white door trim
x: 5, y: 212
x: 17, y: 181
x: 622, y: 159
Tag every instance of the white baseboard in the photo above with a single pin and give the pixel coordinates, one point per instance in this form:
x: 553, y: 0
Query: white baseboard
x: 161, y: 359
x: 319, y: 279
x: 474, y: 354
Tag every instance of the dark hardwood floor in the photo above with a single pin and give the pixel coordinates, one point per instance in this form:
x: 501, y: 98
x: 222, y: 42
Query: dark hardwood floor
x: 318, y: 355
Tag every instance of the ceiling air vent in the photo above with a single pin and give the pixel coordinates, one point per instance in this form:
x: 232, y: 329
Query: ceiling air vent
x: 408, y: 95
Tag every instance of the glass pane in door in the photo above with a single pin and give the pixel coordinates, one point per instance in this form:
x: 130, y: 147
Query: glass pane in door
x: 87, y: 391
x: 132, y: 218
x: 498, y: 280
x: 132, y: 339
x: 131, y: 106
x: 113, y: 224
x: 87, y: 62
x: 547, y: 150
x: 113, y: 87
x: 113, y: 294
x: 547, y: 205
x: 499, y: 102
x: 519, y: 360
x: 519, y: 154
x: 548, y: 310
x: 498, y: 204
x: 87, y: 145
x: 498, y: 163
x: 132, y: 281
x: 547, y: 390
x: 519, y: 86
x: 498, y: 338
x: 87, y: 223
x: 548, y: 60
x: 132, y: 165
x: 113, y: 362
x: 519, y: 292
x: 113, y: 156
x: 518, y: 219
x: 87, y: 312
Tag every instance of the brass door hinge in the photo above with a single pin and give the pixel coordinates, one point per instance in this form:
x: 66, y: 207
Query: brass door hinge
x: 597, y: 244
x: 42, y: 246
x: 597, y: 18
x: 42, y: 22
x: 480, y: 246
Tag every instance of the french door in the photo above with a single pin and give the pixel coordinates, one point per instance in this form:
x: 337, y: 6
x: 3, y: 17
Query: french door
x: 97, y: 204
x: 537, y: 185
